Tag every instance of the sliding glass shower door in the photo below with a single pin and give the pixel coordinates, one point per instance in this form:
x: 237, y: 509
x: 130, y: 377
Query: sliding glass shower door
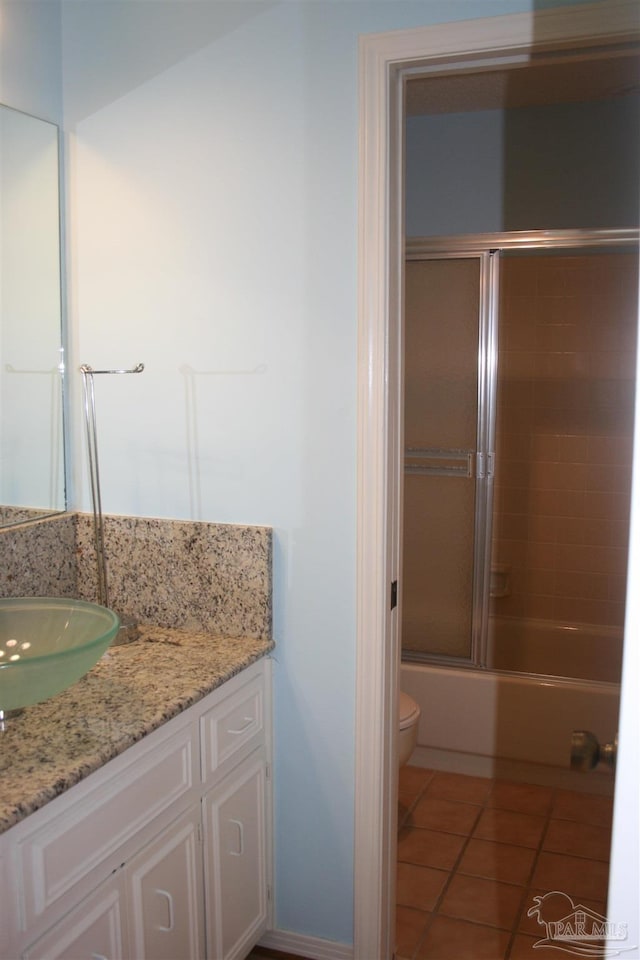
x: 448, y: 467
x: 507, y: 589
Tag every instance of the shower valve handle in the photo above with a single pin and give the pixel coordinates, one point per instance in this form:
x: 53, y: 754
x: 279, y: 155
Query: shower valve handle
x: 587, y: 753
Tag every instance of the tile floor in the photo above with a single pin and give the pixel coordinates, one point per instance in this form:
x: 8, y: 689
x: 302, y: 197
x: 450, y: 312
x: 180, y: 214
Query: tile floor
x: 472, y: 854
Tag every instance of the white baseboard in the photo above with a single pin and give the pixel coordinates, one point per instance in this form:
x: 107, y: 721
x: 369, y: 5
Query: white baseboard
x: 313, y: 948
x: 598, y: 781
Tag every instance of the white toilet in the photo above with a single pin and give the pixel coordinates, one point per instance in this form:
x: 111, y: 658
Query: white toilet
x: 409, y: 717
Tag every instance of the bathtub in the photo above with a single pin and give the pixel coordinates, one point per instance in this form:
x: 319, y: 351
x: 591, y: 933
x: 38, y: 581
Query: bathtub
x: 581, y: 651
x: 490, y: 723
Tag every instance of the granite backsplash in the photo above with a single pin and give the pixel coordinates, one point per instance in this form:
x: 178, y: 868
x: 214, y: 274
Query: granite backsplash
x: 169, y: 573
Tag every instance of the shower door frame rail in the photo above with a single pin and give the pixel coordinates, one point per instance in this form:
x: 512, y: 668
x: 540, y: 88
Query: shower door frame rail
x: 488, y: 248
x: 476, y: 464
x: 434, y: 462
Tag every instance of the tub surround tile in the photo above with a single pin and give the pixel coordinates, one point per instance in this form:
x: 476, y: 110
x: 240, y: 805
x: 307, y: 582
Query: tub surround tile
x: 565, y: 398
x: 132, y: 690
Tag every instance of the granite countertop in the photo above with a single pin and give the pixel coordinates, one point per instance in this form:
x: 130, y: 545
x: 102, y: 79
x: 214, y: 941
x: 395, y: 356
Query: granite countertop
x: 131, y: 691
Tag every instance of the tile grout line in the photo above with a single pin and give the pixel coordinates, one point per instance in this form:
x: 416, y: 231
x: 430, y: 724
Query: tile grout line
x: 483, y: 806
x: 452, y: 870
x: 436, y: 907
x: 429, y: 922
x: 401, y: 826
x: 527, y: 886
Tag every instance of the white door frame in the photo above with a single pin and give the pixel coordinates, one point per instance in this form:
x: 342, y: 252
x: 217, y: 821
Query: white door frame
x: 383, y: 59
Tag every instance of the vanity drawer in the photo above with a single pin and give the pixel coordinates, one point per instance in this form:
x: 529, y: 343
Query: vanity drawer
x: 88, y: 839
x: 234, y: 727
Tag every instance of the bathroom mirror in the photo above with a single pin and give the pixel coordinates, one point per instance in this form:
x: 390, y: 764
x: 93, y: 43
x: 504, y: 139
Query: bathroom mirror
x: 32, y: 471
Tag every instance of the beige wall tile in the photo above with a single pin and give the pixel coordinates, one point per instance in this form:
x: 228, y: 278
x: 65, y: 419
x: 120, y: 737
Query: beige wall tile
x: 566, y: 495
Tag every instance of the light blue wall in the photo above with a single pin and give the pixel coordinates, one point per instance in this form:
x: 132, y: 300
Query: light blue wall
x: 564, y: 166
x: 212, y: 162
x: 213, y: 211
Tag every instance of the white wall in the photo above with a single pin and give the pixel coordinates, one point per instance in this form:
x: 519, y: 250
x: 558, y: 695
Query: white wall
x: 213, y: 221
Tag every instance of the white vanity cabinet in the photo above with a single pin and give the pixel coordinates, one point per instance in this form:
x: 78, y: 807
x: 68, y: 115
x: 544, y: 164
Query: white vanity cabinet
x: 165, y: 894
x: 95, y: 929
x: 235, y: 865
x: 164, y: 852
x: 236, y: 814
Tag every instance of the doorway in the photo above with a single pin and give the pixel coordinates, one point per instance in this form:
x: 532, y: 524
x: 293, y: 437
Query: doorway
x: 383, y: 61
x: 520, y: 598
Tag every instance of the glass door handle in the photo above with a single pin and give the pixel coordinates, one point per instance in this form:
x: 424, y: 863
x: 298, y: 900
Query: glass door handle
x: 587, y: 752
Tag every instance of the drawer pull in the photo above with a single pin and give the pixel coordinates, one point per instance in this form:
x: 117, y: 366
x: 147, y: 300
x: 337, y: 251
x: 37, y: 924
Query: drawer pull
x: 169, y: 899
x: 240, y: 849
x: 245, y: 726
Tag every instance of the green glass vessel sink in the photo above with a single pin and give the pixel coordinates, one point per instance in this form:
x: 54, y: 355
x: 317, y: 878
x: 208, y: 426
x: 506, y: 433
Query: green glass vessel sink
x: 47, y: 644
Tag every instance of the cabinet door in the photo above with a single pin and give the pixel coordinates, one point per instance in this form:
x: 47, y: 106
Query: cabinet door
x: 165, y: 894
x: 92, y: 931
x: 235, y: 861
